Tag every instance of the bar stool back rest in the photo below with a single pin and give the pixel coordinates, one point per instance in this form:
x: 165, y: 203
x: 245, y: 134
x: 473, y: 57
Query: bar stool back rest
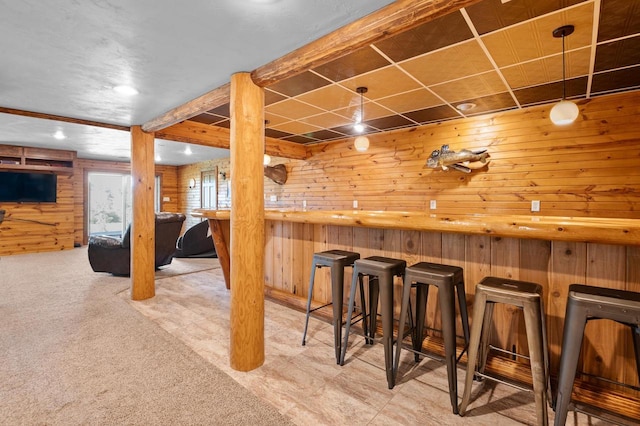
x: 449, y: 280
x: 587, y: 303
x: 527, y: 296
x: 337, y: 260
x: 381, y: 271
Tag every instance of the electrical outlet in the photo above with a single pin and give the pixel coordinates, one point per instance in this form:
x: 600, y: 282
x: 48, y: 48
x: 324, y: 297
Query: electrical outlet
x: 273, y: 198
x: 432, y: 204
x: 355, y: 204
x: 535, y: 205
x: 165, y: 199
x: 304, y: 204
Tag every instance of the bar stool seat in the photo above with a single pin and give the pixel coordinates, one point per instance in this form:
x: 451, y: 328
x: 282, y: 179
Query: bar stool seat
x: 381, y: 271
x: 525, y: 295
x: 449, y: 280
x: 586, y: 303
x: 337, y: 260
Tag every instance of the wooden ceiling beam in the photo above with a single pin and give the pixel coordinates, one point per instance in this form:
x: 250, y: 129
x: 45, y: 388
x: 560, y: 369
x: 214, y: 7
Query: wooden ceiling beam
x: 61, y: 118
x: 395, y: 18
x: 219, y: 137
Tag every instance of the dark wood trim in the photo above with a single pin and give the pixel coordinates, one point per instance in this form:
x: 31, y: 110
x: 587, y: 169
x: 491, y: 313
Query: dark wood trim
x: 63, y: 119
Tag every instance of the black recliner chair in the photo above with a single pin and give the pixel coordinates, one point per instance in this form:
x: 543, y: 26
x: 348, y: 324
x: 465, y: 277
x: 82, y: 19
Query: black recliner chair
x: 109, y: 254
x: 196, y: 242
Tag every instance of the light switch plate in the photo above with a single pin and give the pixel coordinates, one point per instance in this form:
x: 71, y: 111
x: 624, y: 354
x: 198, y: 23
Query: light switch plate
x: 432, y: 204
x: 535, y: 205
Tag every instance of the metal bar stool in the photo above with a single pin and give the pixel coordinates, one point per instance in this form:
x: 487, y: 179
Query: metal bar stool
x: 381, y: 271
x: 448, y: 280
x: 528, y: 296
x: 586, y: 303
x: 337, y: 260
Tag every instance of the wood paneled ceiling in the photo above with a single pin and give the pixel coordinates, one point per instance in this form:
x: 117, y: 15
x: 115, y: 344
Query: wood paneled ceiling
x: 496, y: 54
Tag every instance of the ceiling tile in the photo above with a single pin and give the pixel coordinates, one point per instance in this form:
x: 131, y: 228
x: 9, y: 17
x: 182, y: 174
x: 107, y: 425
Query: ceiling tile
x: 359, y: 62
x: 534, y: 39
x: 296, y: 128
x: 382, y: 83
x: 324, y: 135
x: 274, y: 119
x: 617, y: 54
x: 299, y: 84
x: 371, y: 110
x: 272, y: 133
x: 614, y: 81
x: 207, y: 118
x: 618, y: 18
x: 331, y: 97
x: 293, y: 109
x: 429, y: 115
x: 272, y: 97
x: 327, y: 120
x: 461, y: 60
x: 491, y: 15
x: 222, y: 110
x: 497, y: 102
x: 444, y: 31
x: 299, y: 139
x: 472, y: 87
x: 390, y: 122
x: 226, y: 124
x: 576, y: 87
x: 547, y: 69
x: 410, y: 101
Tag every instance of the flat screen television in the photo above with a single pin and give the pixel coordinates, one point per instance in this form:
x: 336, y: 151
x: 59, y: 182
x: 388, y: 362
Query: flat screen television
x: 28, y: 187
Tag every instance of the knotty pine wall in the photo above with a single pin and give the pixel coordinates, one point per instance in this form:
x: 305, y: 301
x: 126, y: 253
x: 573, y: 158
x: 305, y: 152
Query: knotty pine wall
x: 68, y: 214
x: 586, y: 169
x: 39, y: 227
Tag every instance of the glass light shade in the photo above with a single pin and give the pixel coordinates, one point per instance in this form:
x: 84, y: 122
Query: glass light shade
x: 266, y: 160
x: 564, y: 112
x: 361, y: 143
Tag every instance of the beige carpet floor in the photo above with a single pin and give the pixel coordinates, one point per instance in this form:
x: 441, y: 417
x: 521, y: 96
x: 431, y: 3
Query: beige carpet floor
x: 73, y: 352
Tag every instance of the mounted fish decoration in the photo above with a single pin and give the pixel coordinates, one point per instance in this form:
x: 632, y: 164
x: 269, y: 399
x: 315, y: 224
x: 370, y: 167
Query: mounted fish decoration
x: 460, y: 160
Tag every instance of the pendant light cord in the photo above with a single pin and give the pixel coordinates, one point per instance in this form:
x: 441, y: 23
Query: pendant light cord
x: 564, y: 80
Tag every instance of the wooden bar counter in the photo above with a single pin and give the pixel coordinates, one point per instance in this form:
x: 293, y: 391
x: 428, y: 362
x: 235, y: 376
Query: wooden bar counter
x: 551, y: 251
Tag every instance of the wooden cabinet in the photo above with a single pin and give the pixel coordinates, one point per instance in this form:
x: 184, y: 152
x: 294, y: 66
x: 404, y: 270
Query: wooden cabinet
x: 36, y: 159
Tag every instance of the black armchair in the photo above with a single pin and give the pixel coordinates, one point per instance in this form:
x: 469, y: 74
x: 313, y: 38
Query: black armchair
x: 196, y: 242
x: 108, y: 254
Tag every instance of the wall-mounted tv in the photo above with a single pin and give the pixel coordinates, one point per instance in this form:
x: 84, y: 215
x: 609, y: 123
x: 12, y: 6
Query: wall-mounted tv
x: 27, y: 187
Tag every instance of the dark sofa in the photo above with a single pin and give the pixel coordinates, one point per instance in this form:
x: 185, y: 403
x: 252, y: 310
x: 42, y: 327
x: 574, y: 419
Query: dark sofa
x: 109, y: 254
x: 196, y: 242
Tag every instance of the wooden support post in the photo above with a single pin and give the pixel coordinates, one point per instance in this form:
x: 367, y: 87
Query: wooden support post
x: 143, y: 224
x: 247, y: 224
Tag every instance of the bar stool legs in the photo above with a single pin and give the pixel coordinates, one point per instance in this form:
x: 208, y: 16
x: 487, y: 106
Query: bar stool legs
x: 449, y: 280
x: 586, y: 303
x: 337, y: 260
x: 381, y: 271
x: 493, y: 290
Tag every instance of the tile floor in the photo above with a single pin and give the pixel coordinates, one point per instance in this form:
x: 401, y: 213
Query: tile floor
x: 305, y: 383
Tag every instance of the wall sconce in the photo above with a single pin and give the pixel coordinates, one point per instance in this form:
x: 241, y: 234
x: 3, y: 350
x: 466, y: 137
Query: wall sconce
x: 192, y: 183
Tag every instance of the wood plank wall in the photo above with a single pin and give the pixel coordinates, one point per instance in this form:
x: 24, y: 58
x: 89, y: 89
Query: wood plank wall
x: 26, y: 226
x: 67, y: 214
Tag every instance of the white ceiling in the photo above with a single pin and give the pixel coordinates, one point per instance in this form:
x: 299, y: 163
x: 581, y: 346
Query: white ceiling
x: 64, y: 58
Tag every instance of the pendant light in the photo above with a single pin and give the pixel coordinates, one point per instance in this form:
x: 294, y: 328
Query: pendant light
x: 564, y: 112
x: 361, y: 143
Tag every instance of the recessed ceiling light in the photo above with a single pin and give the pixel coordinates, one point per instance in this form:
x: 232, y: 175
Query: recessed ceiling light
x: 158, y: 158
x: 466, y: 106
x: 59, y: 135
x: 187, y: 150
x: 125, y: 90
